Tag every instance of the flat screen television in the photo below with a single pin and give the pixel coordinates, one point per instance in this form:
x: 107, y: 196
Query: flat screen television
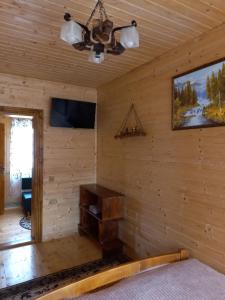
x: 72, y: 113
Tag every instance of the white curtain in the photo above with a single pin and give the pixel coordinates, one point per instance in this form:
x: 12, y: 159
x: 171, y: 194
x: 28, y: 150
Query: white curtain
x: 21, y: 154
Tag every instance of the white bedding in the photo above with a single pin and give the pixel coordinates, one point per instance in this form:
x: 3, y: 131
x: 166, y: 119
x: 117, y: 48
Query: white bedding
x: 186, y: 280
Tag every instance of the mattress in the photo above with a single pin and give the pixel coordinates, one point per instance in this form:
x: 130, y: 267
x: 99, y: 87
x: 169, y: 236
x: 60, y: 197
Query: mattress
x: 186, y: 280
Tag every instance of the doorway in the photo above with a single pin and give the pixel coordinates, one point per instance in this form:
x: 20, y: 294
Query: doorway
x: 21, y: 176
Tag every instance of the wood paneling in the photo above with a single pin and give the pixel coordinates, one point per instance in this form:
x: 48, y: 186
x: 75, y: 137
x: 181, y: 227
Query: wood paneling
x: 69, y: 154
x: 30, y: 44
x: 174, y: 181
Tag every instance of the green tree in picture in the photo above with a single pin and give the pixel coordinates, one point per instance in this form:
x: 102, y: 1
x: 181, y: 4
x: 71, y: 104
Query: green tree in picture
x: 215, y: 89
x: 186, y: 95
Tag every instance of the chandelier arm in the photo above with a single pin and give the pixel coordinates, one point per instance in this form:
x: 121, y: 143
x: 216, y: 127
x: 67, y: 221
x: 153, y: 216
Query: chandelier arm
x: 87, y: 35
x: 81, y: 46
x: 114, y: 52
x: 117, y: 49
x: 133, y: 23
x: 84, y: 27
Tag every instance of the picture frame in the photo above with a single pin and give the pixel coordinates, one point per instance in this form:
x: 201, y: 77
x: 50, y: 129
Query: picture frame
x: 198, y: 97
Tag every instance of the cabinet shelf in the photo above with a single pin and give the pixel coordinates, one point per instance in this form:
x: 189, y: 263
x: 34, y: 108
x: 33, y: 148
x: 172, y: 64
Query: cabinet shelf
x: 96, y: 216
x: 101, y: 227
x: 99, y: 216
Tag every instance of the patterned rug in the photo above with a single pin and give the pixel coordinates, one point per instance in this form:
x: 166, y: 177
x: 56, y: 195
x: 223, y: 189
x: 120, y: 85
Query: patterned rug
x: 25, y: 222
x: 37, y: 287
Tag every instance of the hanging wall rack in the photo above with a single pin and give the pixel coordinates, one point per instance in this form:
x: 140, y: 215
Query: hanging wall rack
x: 135, y: 129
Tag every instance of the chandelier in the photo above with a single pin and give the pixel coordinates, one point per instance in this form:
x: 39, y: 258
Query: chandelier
x: 98, y: 36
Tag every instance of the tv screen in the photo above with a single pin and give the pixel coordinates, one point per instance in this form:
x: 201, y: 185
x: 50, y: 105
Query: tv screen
x: 72, y: 114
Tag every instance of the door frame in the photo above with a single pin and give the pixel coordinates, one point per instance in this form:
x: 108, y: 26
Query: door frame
x: 37, y: 179
x: 2, y: 192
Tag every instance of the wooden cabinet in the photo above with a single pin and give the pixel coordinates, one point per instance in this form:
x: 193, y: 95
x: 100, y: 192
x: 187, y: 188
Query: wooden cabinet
x: 100, y: 211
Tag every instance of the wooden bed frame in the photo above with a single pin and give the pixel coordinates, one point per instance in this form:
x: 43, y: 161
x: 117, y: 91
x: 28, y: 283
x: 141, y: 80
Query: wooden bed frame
x: 113, y: 275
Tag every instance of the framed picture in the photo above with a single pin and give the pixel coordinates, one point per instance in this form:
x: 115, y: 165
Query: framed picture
x: 199, y: 97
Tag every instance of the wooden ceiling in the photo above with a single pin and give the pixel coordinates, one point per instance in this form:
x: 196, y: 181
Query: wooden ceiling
x: 30, y: 44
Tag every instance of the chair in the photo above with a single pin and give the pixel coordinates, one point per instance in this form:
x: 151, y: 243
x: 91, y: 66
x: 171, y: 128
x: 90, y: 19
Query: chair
x: 26, y: 195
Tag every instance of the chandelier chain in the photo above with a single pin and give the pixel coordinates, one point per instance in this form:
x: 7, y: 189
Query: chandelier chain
x: 92, y: 14
x: 102, y: 9
x: 102, y: 12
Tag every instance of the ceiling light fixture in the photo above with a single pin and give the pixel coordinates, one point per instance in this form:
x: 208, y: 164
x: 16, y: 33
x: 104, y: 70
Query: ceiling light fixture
x: 99, y: 37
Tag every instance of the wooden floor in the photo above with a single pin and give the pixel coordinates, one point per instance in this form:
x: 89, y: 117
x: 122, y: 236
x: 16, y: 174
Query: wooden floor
x: 24, y: 263
x: 10, y: 231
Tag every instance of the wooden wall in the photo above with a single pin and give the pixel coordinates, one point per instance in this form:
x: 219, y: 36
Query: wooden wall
x: 69, y: 154
x: 174, y: 180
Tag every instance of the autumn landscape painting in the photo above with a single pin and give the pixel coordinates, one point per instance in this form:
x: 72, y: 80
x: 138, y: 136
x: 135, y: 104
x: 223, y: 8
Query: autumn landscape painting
x: 199, y: 98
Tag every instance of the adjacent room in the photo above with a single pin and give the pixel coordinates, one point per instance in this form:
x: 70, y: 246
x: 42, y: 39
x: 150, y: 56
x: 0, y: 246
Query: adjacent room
x: 17, y: 152
x: 112, y: 125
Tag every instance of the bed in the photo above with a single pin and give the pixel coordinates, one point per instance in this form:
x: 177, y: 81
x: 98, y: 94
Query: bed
x: 167, y: 277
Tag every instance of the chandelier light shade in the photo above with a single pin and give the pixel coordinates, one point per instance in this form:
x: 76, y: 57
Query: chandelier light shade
x: 99, y: 35
x: 97, y: 59
x: 129, y: 37
x: 71, y: 32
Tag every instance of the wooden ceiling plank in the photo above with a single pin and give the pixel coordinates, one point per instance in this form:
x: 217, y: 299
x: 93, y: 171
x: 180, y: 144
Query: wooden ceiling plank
x: 165, y: 15
x: 67, y: 53
x: 167, y: 47
x: 76, y: 56
x: 48, y: 61
x: 44, y: 26
x: 144, y: 25
x: 125, y: 8
x: 31, y: 63
x: 43, y: 32
x: 176, y: 7
x: 28, y: 73
x: 218, y: 5
x: 6, y: 67
x: 36, y: 17
x: 205, y: 10
x: 150, y: 20
x: 19, y: 32
x: 125, y: 16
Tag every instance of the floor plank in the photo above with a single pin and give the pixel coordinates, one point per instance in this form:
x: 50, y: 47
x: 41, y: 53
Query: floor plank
x: 10, y: 230
x: 25, y: 263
